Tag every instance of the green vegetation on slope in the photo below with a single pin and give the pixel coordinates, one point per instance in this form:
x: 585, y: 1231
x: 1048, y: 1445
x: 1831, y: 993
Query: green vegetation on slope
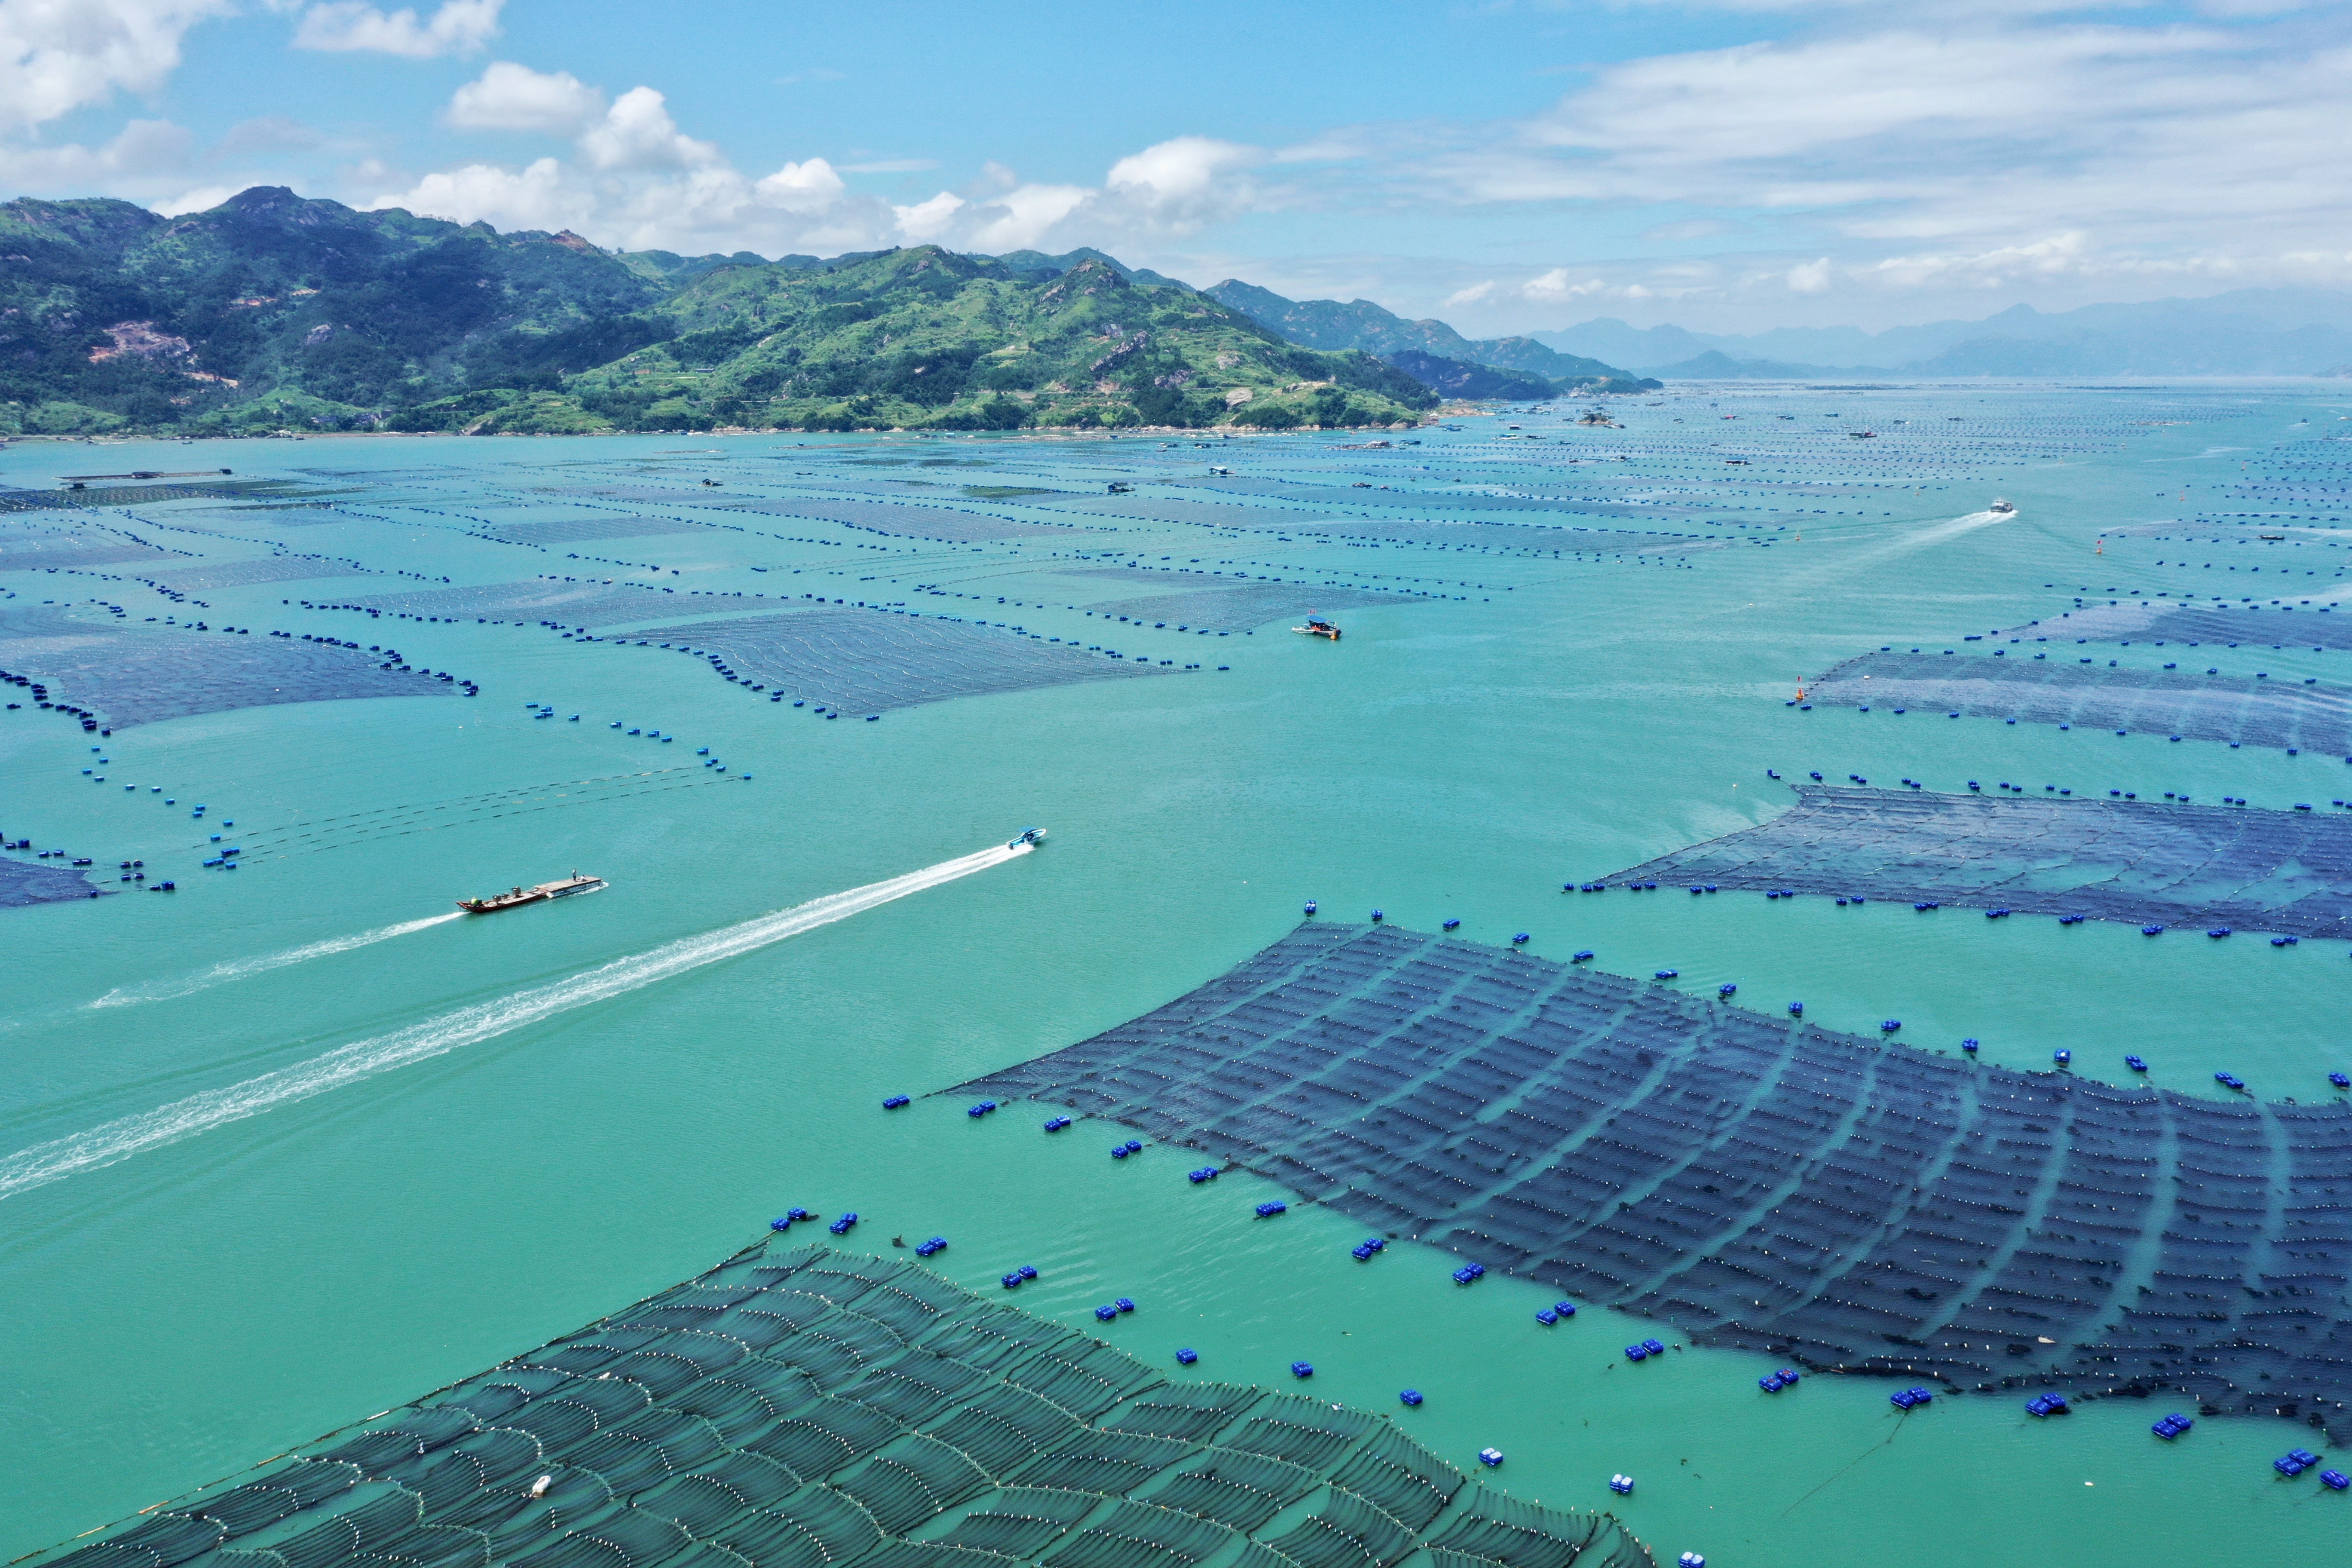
x: 1360, y: 324
x: 270, y: 311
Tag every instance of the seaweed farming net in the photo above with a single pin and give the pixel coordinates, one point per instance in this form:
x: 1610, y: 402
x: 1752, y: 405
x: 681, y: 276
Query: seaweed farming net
x: 573, y: 603
x: 870, y: 661
x: 944, y: 524
x: 1851, y: 1202
x: 1241, y: 609
x: 2255, y: 712
x: 762, y: 1412
x: 144, y: 675
x: 245, y: 574
x: 2140, y: 862
x: 2162, y: 622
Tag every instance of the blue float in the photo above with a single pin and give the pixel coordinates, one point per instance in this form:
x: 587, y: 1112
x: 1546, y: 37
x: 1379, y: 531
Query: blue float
x: 1269, y: 1209
x: 1410, y: 1396
x: 1187, y: 1357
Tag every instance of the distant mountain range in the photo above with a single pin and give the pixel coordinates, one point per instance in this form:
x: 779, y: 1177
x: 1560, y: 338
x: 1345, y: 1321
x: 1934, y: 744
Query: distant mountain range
x: 1446, y: 356
x: 270, y: 312
x: 2248, y: 331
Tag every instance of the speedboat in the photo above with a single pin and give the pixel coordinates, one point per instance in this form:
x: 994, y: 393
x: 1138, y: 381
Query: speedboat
x: 2000, y: 507
x: 1030, y: 836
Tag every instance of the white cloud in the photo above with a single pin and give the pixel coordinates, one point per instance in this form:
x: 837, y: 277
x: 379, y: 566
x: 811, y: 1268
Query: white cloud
x: 510, y: 97
x: 925, y: 221
x: 536, y: 196
x: 1811, y: 277
x: 1475, y: 294
x: 1022, y: 218
x: 458, y: 27
x: 146, y: 156
x: 57, y: 56
x: 637, y: 132
x: 1182, y: 184
x: 809, y: 186
x: 1557, y: 284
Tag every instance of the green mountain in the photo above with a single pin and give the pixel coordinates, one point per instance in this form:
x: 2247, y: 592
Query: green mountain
x: 1457, y: 378
x: 1330, y: 325
x: 272, y: 311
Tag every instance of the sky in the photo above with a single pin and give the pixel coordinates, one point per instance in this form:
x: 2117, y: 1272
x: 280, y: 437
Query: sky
x: 1515, y: 165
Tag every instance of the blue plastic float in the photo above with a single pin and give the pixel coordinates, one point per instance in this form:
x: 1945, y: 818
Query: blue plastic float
x: 895, y: 1102
x: 936, y: 1243
x: 1205, y: 1173
x: 1271, y: 1208
x: 1302, y: 1369
x: 1056, y: 1124
x: 1187, y: 1357
x: 1621, y: 1485
x: 1490, y: 1458
x: 1910, y: 1398
x: 1410, y: 1396
x: 2172, y: 1427
x: 843, y: 1225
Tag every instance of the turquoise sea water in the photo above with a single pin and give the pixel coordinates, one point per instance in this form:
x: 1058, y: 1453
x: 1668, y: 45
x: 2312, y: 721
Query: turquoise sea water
x: 182, y: 1306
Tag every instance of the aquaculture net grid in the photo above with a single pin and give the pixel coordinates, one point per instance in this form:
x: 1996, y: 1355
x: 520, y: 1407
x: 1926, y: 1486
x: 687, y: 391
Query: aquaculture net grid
x: 1854, y: 1204
x: 2142, y: 862
x: 2278, y: 714
x: 143, y: 675
x: 869, y: 660
x: 797, y: 1406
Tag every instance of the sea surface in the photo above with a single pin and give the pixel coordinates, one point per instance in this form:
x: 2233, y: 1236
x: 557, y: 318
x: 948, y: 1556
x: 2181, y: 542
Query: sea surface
x: 297, y: 1143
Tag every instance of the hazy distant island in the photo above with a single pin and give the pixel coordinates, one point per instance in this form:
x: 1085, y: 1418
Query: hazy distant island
x: 272, y: 313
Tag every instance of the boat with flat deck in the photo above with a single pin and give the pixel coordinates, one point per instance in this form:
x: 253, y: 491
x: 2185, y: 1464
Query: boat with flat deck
x: 515, y: 897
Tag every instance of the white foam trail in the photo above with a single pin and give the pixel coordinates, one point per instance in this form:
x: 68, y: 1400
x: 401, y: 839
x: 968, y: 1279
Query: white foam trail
x: 113, y: 1140
x: 241, y: 968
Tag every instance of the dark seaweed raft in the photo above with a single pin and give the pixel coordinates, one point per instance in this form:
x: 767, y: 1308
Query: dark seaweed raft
x: 1860, y: 1205
x: 1244, y: 606
x: 143, y: 675
x: 2137, y: 861
x: 28, y: 883
x: 572, y: 603
x: 870, y: 661
x: 2164, y: 623
x: 2275, y: 713
x: 814, y: 1409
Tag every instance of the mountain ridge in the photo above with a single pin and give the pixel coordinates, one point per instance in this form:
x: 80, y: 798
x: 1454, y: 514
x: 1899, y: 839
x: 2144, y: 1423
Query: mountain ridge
x: 1329, y: 325
x: 2244, y: 331
x: 273, y: 310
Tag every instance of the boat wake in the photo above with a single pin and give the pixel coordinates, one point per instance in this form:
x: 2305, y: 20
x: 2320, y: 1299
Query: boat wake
x: 119, y: 1140
x: 244, y: 968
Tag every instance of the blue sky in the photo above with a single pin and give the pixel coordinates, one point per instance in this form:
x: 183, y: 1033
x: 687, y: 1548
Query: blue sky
x: 1509, y: 166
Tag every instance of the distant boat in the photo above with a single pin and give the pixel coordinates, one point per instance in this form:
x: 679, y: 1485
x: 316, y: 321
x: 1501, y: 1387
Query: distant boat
x: 1316, y: 626
x: 1030, y: 836
x: 2000, y: 507
x: 514, y: 897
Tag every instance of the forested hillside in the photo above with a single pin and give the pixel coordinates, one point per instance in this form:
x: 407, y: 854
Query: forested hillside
x: 271, y: 311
